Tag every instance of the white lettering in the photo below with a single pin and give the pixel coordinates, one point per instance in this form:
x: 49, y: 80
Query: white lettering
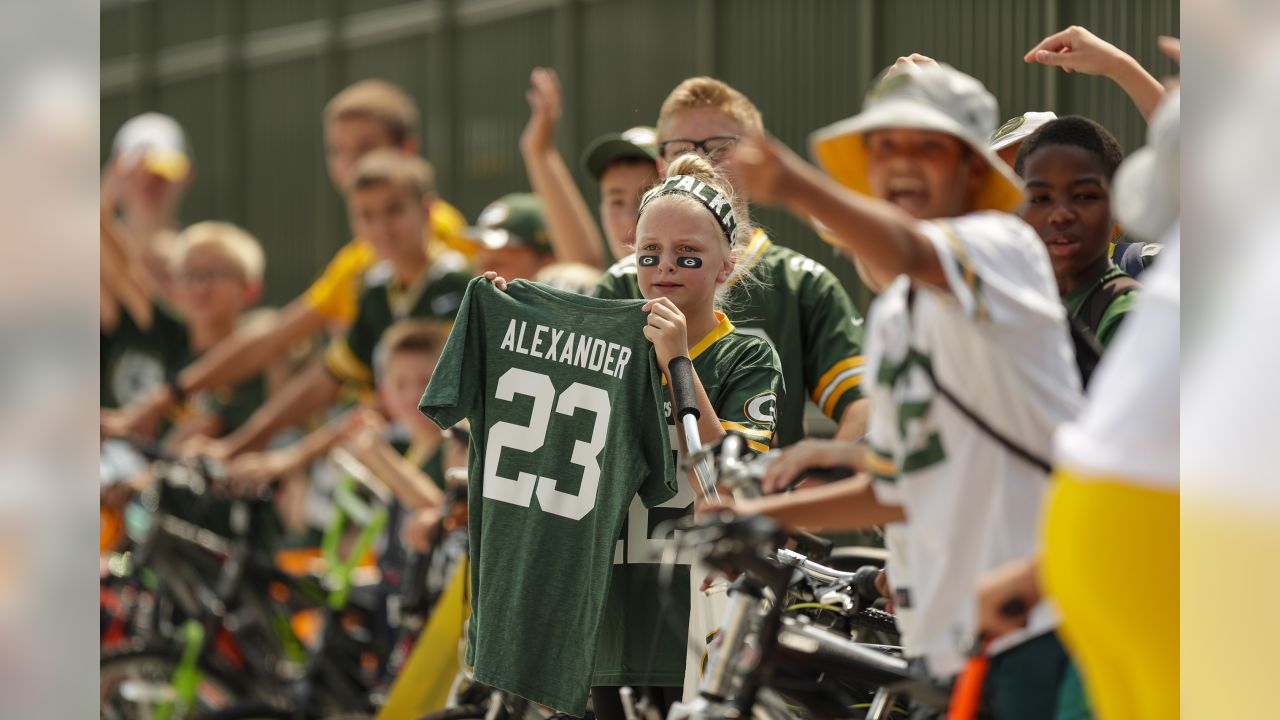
x: 597, y: 354
x: 555, y: 338
x: 520, y: 348
x: 623, y: 357
x: 685, y: 184
x: 509, y: 340
x: 583, y: 353
x: 537, y: 340
x: 609, y: 358
x: 566, y: 355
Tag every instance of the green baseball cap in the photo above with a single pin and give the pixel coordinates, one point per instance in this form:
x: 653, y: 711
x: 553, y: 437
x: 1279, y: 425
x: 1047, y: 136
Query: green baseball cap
x: 637, y: 143
x: 513, y: 220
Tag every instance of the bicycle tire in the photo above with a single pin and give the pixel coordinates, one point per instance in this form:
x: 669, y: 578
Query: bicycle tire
x: 216, y: 688
x: 462, y: 712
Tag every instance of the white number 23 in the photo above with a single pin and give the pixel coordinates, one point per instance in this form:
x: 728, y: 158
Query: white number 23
x: 531, y: 437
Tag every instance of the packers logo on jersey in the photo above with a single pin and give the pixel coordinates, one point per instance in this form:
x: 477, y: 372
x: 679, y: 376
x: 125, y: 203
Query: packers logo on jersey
x: 761, y: 408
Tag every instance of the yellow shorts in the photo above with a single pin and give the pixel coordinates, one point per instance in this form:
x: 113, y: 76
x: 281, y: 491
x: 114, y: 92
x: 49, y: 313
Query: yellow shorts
x: 1111, y: 564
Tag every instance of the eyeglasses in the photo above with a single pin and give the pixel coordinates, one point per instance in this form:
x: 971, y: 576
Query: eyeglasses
x: 711, y: 148
x: 200, y: 277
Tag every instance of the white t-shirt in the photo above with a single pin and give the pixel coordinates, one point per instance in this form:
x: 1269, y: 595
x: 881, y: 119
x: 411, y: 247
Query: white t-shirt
x: 1129, y: 428
x: 999, y: 343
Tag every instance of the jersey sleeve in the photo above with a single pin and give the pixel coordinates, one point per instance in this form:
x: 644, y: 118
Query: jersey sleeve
x: 832, y: 340
x: 349, y: 358
x: 661, y: 482
x: 996, y: 267
x: 335, y: 293
x: 455, y: 388
x: 750, y: 397
x: 448, y: 225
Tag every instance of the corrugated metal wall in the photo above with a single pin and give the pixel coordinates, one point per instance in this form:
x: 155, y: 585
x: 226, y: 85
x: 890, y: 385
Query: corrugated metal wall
x: 247, y: 78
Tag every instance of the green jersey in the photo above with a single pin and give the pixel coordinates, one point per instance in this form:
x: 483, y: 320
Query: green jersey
x: 565, y: 401
x: 804, y: 313
x: 743, y: 380
x: 134, y: 360
x: 1078, y: 300
x: 436, y: 294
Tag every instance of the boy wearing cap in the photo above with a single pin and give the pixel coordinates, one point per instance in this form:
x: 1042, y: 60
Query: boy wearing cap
x: 968, y: 358
x: 389, y: 203
x: 143, y: 184
x: 366, y: 116
x: 511, y: 239
x: 624, y: 164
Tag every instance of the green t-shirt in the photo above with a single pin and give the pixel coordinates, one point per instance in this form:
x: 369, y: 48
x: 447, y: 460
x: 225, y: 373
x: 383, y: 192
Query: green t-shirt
x: 1077, y: 300
x: 744, y: 382
x: 134, y: 360
x: 565, y: 401
x: 435, y: 295
x: 804, y: 313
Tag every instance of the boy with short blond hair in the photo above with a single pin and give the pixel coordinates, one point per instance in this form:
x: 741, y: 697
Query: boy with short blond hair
x: 389, y: 203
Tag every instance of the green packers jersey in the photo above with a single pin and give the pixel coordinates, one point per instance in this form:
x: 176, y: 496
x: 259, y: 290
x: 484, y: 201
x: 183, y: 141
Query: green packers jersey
x: 743, y: 380
x: 435, y: 295
x: 804, y: 313
x: 1077, y: 300
x: 565, y: 401
x: 134, y: 360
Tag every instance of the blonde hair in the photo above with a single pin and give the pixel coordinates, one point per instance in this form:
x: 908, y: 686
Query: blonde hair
x: 694, y: 166
x: 234, y: 242
x: 380, y: 101
x: 393, y: 167
x: 708, y: 92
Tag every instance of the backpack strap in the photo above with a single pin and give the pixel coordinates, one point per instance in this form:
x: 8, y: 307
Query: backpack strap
x: 1004, y: 440
x: 1102, y: 296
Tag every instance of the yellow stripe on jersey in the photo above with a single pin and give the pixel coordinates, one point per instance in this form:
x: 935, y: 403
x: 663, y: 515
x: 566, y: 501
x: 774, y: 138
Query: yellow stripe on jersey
x: 752, y: 255
x: 879, y: 464
x: 758, y: 446
x: 840, y: 379
x: 740, y: 428
x: 966, y: 268
x: 724, y: 328
x: 837, y: 392
x: 344, y: 365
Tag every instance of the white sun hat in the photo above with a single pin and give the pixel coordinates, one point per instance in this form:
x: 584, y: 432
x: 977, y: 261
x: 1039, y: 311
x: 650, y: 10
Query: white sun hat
x: 928, y: 97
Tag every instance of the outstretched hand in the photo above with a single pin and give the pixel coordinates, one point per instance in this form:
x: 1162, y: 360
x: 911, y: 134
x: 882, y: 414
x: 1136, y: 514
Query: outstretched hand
x: 544, y: 105
x: 1075, y: 49
x: 767, y: 170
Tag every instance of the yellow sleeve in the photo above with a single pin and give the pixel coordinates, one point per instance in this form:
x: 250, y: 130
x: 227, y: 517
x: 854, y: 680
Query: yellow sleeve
x: 335, y: 292
x: 449, y: 227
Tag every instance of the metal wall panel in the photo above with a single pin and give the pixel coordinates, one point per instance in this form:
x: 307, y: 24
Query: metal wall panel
x: 494, y: 60
x: 193, y: 104
x: 285, y: 177
x: 248, y: 79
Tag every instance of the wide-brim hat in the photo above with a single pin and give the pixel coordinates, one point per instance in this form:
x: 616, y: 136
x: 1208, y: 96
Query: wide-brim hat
x: 938, y: 98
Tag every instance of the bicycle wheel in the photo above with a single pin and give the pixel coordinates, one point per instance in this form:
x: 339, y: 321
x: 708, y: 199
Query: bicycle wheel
x: 134, y: 682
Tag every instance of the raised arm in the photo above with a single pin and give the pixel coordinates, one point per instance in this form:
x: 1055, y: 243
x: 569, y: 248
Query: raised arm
x: 240, y: 356
x: 876, y: 232
x: 311, y: 390
x: 574, y: 234
x: 1075, y: 49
